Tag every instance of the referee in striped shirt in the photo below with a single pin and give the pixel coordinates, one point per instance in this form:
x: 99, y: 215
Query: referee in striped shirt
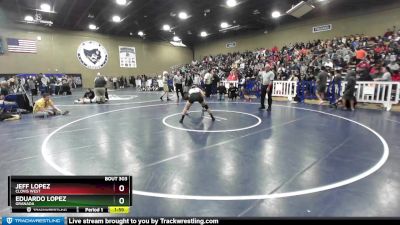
x: 267, y: 79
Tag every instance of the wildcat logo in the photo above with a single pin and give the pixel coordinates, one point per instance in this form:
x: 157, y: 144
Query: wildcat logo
x: 92, y: 55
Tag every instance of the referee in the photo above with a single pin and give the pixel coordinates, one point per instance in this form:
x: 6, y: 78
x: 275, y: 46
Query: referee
x: 267, y: 79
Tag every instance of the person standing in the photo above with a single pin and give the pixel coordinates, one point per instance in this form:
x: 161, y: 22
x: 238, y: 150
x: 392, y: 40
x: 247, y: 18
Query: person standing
x: 348, y: 94
x: 178, y: 79
x: 165, y: 86
x: 115, y: 82
x: 188, y: 84
x: 100, y: 88
x: 322, y: 79
x: 267, y: 79
x: 208, y: 82
x: 197, y: 80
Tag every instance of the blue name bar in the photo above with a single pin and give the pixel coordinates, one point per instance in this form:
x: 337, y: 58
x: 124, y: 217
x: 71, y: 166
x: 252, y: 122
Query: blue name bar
x: 32, y: 220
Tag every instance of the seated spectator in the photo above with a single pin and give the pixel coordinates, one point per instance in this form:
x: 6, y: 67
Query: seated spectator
x: 233, y: 76
x: 8, y: 116
x: 221, y: 91
x: 386, y: 75
x: 361, y: 54
x: 393, y: 66
x: 3, y: 90
x: 396, y: 76
x: 45, y: 107
x: 232, y: 91
x: 65, y: 88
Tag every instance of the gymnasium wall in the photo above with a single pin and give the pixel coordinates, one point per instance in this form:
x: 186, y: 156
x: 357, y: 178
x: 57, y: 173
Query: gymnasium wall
x: 58, y: 51
x: 371, y: 22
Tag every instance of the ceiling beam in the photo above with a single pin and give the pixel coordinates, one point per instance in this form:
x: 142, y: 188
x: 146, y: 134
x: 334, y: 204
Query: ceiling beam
x: 18, y: 8
x: 69, y: 12
x: 84, y: 14
x: 128, y: 24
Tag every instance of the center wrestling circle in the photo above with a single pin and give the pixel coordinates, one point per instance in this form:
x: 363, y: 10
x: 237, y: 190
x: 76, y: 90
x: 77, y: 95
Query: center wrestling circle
x: 212, y: 131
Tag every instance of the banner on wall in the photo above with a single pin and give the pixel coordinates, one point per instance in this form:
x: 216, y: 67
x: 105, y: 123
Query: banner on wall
x: 322, y: 28
x: 231, y: 44
x: 92, y: 55
x: 127, y: 57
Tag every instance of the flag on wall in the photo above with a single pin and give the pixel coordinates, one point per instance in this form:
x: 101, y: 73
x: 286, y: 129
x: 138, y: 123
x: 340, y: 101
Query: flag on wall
x: 1, y: 46
x: 21, y: 45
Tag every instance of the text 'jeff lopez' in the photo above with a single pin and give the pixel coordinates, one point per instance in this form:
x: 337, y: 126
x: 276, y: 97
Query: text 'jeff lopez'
x: 31, y: 188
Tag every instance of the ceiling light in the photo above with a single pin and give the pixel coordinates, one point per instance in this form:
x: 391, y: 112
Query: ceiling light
x: 276, y: 14
x: 231, y: 3
x: 45, y: 7
x: 177, y: 43
x: 224, y: 25
x: 183, y: 15
x: 166, y: 27
x: 140, y: 33
x: 28, y: 18
x: 121, y: 2
x: 92, y: 27
x: 176, y: 38
x: 203, y: 34
x: 116, y: 19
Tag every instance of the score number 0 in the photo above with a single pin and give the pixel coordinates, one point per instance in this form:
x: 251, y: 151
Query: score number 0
x: 121, y: 188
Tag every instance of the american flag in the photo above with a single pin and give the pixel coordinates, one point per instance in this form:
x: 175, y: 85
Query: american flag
x: 20, y: 45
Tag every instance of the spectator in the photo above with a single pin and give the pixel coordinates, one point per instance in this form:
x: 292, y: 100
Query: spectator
x: 188, y: 83
x: 197, y: 80
x: 4, y: 116
x: 115, y: 82
x: 221, y: 91
x: 386, y: 75
x: 45, y: 107
x: 165, y: 86
x: 3, y: 90
x: 360, y: 54
x: 396, y: 76
x: 348, y: 94
x: 322, y: 79
x: 232, y: 91
x: 393, y: 66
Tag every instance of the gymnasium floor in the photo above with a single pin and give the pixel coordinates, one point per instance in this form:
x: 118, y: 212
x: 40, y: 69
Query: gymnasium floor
x: 299, y: 160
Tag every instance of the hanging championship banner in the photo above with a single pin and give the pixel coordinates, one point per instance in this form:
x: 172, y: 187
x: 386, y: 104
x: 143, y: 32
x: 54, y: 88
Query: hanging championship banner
x: 322, y: 28
x: 127, y: 57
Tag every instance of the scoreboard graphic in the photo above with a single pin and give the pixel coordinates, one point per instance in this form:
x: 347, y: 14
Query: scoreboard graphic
x: 74, y: 194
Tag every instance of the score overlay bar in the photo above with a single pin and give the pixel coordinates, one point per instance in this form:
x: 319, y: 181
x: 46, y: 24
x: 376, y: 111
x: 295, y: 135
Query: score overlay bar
x: 27, y: 193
